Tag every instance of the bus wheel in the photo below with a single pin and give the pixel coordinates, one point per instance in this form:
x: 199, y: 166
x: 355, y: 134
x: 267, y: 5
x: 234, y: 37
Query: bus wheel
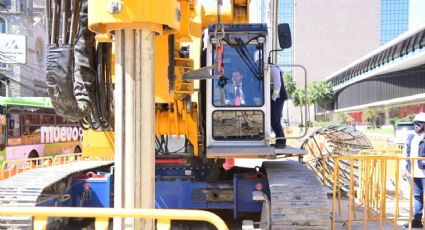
x: 33, y: 154
x: 77, y: 150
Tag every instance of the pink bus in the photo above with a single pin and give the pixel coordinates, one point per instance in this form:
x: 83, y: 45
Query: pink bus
x: 29, y: 128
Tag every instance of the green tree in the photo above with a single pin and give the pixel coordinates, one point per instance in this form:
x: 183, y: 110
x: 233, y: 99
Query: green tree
x: 312, y: 90
x: 299, y: 100
x: 290, y: 84
x: 345, y: 118
x: 290, y: 87
x: 410, y: 117
x: 394, y: 121
x: 407, y: 118
x: 350, y: 119
x: 342, y: 117
x: 321, y: 93
x: 370, y: 115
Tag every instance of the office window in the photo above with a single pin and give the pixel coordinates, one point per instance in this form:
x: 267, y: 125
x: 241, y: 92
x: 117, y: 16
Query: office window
x: 394, y: 19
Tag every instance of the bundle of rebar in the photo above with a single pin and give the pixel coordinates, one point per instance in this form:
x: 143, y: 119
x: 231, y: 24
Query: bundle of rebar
x: 334, y: 140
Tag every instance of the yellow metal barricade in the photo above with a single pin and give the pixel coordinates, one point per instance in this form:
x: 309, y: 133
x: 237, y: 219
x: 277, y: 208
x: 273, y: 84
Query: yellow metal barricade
x: 67, y: 158
x: 102, y: 215
x: 12, y: 167
x: 373, y: 185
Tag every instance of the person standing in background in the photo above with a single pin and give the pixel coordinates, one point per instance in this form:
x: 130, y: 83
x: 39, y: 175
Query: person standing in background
x: 415, y: 147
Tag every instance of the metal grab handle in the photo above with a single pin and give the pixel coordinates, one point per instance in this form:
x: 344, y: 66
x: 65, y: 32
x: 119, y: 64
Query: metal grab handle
x: 305, y: 106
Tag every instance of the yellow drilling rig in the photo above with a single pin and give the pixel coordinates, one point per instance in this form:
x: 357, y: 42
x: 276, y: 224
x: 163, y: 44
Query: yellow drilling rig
x: 139, y: 74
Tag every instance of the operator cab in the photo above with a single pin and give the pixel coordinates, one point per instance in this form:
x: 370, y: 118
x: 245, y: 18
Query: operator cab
x: 238, y: 102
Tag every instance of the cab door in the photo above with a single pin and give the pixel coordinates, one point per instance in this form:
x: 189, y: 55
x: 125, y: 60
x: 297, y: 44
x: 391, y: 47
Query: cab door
x: 239, y: 126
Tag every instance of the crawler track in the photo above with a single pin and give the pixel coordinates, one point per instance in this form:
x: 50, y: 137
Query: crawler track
x: 27, y: 189
x: 298, y: 199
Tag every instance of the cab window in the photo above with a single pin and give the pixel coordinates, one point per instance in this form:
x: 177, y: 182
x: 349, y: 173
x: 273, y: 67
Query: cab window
x: 244, y: 84
x: 238, y: 125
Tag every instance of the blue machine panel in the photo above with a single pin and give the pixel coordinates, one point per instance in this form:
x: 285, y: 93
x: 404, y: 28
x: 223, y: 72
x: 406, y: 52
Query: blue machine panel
x: 183, y: 192
x: 92, y: 190
x: 98, y: 194
x: 189, y: 194
x: 244, y: 185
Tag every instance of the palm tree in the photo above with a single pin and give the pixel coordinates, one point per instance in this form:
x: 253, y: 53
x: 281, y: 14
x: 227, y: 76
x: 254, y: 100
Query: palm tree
x: 342, y: 117
x: 321, y: 93
x: 290, y: 87
x: 311, y: 96
x: 350, y: 119
x: 298, y: 98
x: 290, y: 84
x: 345, y: 118
x: 370, y: 115
x: 393, y: 122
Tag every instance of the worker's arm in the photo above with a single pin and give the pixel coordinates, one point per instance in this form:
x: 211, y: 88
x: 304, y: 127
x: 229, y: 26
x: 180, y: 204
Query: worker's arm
x: 275, y: 72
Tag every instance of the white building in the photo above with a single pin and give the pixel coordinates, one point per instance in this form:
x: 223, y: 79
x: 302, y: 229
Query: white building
x: 22, y: 76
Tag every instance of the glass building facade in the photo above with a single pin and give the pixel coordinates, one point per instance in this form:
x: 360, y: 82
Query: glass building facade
x: 394, y: 19
x: 286, y: 15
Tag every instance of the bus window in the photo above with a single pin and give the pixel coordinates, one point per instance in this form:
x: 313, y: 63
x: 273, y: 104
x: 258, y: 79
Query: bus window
x: 31, y: 127
x: 74, y: 123
x: 14, y: 129
x: 31, y: 119
x: 47, y: 119
x: 15, y: 125
x: 60, y: 120
x: 31, y: 135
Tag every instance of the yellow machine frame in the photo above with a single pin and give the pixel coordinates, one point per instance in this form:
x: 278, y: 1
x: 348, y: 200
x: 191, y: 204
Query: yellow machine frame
x: 180, y: 116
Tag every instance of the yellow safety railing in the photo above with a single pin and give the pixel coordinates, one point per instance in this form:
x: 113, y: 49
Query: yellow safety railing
x: 98, y: 158
x: 67, y: 158
x: 12, y: 167
x: 384, y: 151
x: 372, y: 183
x: 163, y: 217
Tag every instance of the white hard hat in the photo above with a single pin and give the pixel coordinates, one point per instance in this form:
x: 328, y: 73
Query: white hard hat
x: 420, y: 117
